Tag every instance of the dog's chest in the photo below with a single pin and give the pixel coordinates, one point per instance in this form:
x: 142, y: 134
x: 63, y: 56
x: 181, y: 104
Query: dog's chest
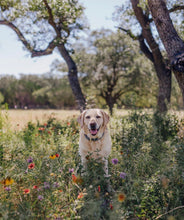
x: 95, y: 146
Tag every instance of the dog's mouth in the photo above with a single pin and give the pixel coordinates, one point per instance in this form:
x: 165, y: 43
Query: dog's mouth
x: 94, y: 131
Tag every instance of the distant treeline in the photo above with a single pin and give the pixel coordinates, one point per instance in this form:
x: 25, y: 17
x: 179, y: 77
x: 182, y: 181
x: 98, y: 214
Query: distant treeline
x: 54, y: 91
x: 36, y: 91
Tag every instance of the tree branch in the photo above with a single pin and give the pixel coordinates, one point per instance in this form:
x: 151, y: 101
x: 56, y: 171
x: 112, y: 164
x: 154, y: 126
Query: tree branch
x: 176, y: 8
x: 18, y: 32
x: 51, y: 18
x: 52, y: 22
x: 144, y: 48
x: 129, y: 33
x: 51, y: 46
x: 34, y: 53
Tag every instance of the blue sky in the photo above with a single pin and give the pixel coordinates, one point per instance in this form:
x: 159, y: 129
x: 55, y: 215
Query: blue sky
x: 15, y: 60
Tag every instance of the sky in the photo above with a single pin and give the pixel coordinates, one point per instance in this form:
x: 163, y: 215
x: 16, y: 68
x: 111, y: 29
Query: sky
x: 15, y: 60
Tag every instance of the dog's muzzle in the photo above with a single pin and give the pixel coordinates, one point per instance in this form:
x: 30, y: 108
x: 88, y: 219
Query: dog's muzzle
x: 93, y: 129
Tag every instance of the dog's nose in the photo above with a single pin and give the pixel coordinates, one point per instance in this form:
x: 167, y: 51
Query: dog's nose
x: 93, y: 125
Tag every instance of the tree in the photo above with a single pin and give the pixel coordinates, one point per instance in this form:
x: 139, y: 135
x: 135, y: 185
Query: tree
x: 173, y: 44
x: 43, y: 26
x: 112, y: 67
x: 151, y: 50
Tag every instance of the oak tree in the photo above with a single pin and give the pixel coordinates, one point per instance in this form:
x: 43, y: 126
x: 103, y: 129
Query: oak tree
x: 172, y: 42
x: 42, y: 26
x: 150, y: 47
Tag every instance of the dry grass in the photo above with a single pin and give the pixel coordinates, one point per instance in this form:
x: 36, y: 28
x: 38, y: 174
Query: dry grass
x: 18, y: 119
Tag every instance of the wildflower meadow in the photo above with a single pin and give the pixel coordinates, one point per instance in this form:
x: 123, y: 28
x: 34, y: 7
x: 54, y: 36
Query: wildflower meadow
x: 40, y: 170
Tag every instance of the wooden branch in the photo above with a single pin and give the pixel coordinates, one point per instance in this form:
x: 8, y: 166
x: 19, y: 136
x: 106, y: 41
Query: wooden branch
x: 34, y: 53
x: 52, y: 22
x: 129, y: 33
x: 144, y: 48
x: 18, y: 32
x: 176, y: 8
x: 47, y: 51
x: 51, y: 18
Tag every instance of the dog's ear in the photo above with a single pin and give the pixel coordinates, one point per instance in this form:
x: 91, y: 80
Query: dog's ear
x: 106, y: 117
x: 81, y: 119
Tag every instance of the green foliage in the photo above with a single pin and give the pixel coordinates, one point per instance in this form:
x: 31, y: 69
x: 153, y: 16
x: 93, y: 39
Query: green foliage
x: 113, y: 71
x: 32, y: 91
x: 41, y: 171
x: 40, y: 16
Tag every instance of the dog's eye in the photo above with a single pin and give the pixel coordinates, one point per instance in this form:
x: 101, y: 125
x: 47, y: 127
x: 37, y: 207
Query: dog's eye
x: 98, y: 116
x: 88, y: 117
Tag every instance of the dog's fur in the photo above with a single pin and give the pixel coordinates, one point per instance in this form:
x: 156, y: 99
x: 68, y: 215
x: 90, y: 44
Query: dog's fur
x: 95, y: 140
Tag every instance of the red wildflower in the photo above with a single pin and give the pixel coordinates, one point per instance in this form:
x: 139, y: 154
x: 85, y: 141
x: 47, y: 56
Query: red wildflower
x: 57, y: 155
x: 31, y: 166
x: 80, y: 196
x: 99, y: 189
x: 35, y: 187
x: 74, y: 178
x: 77, y: 179
x: 26, y: 191
x: 111, y: 206
x: 41, y: 129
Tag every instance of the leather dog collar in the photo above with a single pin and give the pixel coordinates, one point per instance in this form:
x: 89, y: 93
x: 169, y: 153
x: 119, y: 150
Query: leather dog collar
x: 93, y: 139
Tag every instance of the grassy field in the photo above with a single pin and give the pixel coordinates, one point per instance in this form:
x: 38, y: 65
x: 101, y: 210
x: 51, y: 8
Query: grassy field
x: 40, y: 171
x: 18, y: 119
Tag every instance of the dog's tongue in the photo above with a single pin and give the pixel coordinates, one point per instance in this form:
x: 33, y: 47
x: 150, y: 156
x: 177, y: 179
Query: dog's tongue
x: 93, y: 132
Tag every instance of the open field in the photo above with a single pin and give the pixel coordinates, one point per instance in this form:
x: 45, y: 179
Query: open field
x: 18, y: 119
x: 41, y: 176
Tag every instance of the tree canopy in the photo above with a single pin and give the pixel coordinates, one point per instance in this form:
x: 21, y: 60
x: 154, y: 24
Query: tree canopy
x: 45, y: 25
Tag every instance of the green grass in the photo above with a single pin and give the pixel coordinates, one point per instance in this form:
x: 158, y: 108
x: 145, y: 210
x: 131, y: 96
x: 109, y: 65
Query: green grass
x: 40, y: 171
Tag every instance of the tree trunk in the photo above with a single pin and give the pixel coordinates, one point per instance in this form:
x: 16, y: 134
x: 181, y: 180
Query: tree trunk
x: 73, y: 78
x: 173, y: 44
x: 110, y: 102
x: 153, y: 53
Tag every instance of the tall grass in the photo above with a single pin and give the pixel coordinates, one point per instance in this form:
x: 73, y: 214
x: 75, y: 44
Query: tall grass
x: 40, y: 171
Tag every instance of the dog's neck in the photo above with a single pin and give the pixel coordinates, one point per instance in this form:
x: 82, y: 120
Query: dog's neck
x: 93, y: 139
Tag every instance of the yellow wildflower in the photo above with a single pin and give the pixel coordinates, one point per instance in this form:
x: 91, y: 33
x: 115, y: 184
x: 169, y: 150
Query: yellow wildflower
x: 52, y: 157
x: 8, y: 181
x: 121, y: 197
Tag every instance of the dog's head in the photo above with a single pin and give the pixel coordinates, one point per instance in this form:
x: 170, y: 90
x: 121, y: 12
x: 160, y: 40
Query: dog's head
x: 93, y: 120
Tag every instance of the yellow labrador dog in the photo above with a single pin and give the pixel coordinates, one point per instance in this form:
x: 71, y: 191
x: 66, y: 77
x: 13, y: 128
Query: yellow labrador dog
x: 95, y: 140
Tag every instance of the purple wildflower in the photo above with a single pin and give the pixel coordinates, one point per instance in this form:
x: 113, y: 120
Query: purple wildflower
x: 115, y: 161
x: 40, y: 197
x: 30, y: 160
x: 8, y: 189
x: 55, y: 185
x: 122, y: 175
x: 46, y: 185
x: 71, y: 170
